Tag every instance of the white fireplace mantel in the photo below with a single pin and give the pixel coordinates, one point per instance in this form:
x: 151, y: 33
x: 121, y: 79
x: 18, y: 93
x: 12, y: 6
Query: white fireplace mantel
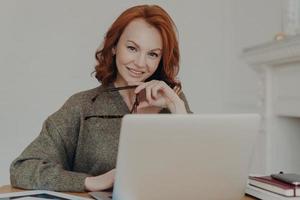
x: 275, y: 52
x: 278, y: 66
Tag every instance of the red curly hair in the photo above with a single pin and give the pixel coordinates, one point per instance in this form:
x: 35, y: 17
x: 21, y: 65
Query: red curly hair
x: 168, y: 68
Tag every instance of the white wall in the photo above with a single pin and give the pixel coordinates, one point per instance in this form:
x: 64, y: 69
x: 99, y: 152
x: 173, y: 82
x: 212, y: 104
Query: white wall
x: 47, y: 53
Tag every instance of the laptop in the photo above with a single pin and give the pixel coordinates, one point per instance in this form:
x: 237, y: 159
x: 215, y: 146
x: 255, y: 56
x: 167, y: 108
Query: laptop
x: 194, y: 157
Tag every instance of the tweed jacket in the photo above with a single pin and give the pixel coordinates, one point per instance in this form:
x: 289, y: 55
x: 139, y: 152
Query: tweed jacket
x: 74, y: 143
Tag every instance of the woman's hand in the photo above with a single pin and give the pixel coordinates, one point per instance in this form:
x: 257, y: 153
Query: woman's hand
x: 101, y: 182
x: 159, y: 94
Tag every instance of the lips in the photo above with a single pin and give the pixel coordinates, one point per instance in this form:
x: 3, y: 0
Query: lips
x: 134, y: 72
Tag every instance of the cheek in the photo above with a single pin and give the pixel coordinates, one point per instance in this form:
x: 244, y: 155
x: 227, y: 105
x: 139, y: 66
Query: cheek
x: 153, y: 65
x: 123, y: 57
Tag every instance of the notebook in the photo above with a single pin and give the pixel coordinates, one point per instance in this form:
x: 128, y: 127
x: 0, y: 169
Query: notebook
x: 164, y: 156
x: 39, y: 195
x: 274, y: 185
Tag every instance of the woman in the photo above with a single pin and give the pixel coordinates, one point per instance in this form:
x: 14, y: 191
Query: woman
x: 137, y: 67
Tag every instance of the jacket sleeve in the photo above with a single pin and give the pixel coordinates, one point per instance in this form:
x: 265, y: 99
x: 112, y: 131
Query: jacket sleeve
x: 183, y: 98
x: 47, y: 162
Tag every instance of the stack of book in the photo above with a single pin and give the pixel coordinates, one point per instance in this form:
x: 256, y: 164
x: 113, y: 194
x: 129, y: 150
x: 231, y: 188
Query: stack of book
x: 266, y: 187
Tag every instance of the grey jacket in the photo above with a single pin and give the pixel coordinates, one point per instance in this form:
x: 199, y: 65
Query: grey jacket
x: 79, y: 140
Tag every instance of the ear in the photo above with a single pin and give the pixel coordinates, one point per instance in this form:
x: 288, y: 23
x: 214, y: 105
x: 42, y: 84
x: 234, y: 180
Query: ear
x: 113, y: 50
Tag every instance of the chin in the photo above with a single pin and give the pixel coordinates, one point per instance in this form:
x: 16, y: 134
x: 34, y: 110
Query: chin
x: 132, y: 79
x: 135, y: 80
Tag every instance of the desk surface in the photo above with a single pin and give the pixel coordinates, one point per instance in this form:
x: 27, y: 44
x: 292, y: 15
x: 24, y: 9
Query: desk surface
x: 8, y: 188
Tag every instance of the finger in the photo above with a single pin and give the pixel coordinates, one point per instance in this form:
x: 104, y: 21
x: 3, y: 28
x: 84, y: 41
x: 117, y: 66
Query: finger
x: 143, y: 85
x: 143, y: 104
x: 152, y: 85
x: 148, y: 94
x: 140, y: 87
x: 156, y: 87
x: 168, y: 92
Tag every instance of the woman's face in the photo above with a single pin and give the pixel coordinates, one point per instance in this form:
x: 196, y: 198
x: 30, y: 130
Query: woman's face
x: 138, y: 52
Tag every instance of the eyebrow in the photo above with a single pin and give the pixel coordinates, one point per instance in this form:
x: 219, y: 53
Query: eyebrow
x: 139, y: 46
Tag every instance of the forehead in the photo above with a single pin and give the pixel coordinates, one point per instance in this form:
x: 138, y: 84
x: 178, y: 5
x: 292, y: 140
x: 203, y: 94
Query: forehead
x: 142, y: 33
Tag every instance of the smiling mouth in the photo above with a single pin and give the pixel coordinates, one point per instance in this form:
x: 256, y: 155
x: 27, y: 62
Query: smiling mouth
x: 135, y: 72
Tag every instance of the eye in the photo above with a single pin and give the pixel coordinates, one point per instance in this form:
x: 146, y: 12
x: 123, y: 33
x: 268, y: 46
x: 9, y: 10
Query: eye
x: 131, y: 48
x: 153, y: 55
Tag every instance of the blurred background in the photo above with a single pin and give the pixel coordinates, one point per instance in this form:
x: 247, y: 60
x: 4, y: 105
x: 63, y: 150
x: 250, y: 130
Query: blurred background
x: 47, y: 54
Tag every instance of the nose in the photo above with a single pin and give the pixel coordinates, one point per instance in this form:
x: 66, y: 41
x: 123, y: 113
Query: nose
x: 140, y: 60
